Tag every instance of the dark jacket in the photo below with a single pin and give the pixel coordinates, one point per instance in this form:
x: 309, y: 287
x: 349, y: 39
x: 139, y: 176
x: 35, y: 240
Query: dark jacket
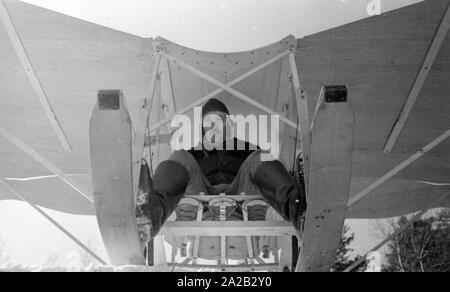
x: 222, y: 166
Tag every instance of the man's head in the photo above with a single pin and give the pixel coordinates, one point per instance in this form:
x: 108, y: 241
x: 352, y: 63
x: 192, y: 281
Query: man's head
x: 214, y: 112
x: 214, y: 106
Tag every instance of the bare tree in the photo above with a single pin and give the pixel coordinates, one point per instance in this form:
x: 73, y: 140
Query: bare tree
x: 424, y: 247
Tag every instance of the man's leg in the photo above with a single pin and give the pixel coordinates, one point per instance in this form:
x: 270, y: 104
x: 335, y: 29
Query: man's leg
x: 276, y: 185
x: 173, y: 178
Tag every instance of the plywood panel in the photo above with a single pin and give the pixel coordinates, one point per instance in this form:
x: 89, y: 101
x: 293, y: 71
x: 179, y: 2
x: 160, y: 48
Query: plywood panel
x: 378, y: 59
x: 73, y: 59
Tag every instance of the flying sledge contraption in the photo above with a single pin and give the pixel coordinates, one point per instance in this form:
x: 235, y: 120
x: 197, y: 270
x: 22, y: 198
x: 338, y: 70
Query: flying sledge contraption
x: 368, y: 141
x: 116, y: 158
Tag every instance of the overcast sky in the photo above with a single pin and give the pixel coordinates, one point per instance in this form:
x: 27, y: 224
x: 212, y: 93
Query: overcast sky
x: 212, y: 25
x: 220, y: 25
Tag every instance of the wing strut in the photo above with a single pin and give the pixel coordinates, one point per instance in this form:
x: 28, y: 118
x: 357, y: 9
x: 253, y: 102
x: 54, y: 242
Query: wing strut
x: 47, y: 164
x: 399, y: 168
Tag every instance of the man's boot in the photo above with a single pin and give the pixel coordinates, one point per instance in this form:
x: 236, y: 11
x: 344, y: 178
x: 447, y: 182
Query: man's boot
x: 159, y: 197
x: 281, y: 191
x: 143, y: 215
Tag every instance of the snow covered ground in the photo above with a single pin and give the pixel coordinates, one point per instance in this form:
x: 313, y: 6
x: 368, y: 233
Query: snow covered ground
x: 28, y: 243
x: 90, y: 269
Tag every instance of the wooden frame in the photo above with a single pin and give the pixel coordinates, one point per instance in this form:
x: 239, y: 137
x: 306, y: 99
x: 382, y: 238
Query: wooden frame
x: 197, y: 238
x: 229, y: 89
x: 234, y: 268
x: 299, y: 94
x: 228, y: 228
x: 197, y: 203
x: 206, y: 199
x: 253, y: 228
x: 251, y: 254
x: 218, y: 91
x: 252, y: 260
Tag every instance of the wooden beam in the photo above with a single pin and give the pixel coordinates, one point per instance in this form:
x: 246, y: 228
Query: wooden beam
x: 316, y: 111
x: 303, y: 116
x: 228, y: 228
x: 166, y: 79
x: 207, y: 199
x: 399, y: 168
x: 420, y: 81
x: 169, y: 107
x: 52, y: 221
x: 32, y: 76
x: 223, y: 238
x: 156, y: 151
x: 223, y: 250
x: 222, y: 89
x: 142, y: 126
x: 248, y: 238
x: 47, y: 164
x: 159, y: 252
x: 398, y: 231
x: 226, y: 269
x: 197, y: 238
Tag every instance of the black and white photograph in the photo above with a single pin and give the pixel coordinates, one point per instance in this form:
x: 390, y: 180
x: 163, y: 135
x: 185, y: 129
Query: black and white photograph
x: 237, y: 139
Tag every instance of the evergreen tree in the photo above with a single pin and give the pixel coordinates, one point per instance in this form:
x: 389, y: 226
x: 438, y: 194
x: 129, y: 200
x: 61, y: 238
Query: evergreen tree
x: 344, y: 258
